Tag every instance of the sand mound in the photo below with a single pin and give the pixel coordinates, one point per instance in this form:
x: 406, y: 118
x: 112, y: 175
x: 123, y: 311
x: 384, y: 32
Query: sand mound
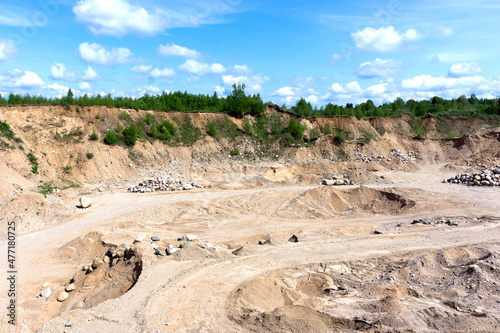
x: 108, y: 279
x: 321, y: 202
x: 415, y: 292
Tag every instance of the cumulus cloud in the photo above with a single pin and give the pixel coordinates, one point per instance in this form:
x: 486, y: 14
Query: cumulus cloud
x: 60, y: 72
x: 165, y: 72
x: 464, y: 69
x: 349, y: 88
x: 7, y: 49
x: 384, y: 39
x: 84, y: 86
x: 141, y: 69
x: 98, y: 54
x: 121, y: 17
x: 147, y: 90
x: 199, y: 68
x: 429, y: 83
x: 118, y: 17
x: 253, y: 83
x: 173, y: 50
x: 19, y: 79
x: 284, y: 91
x: 378, y: 68
x: 90, y: 74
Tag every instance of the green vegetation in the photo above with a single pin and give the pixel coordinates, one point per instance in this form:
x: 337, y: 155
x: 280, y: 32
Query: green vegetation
x: 238, y: 104
x: 93, y: 136
x: 66, y: 169
x: 33, y: 161
x: 130, y: 135
x: 46, y: 188
x: 90, y: 156
x: 111, y: 138
x: 188, y: 134
x: 5, y: 130
x: 235, y: 152
x: 98, y: 116
x: 366, y: 137
x: 223, y: 128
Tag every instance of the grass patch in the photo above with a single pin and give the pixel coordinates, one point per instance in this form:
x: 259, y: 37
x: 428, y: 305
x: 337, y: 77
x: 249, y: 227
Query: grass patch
x: 223, y: 128
x: 235, y: 152
x: 46, y: 188
x: 188, y: 134
x: 33, y: 161
x: 366, y: 137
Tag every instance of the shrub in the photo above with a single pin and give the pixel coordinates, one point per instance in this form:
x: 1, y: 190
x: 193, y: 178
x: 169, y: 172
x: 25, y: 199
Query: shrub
x: 93, y: 136
x: 98, y: 116
x: 90, y: 155
x: 211, y: 130
x: 130, y: 135
x: 235, y: 152
x: 5, y: 130
x: 111, y: 138
x: 295, y: 129
x: 149, y: 119
x: 341, y: 135
x: 33, y: 161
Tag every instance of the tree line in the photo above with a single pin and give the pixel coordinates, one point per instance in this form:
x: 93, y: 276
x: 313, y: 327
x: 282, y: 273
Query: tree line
x: 238, y: 104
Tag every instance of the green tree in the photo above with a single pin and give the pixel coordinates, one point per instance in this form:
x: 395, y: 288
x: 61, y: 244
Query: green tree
x: 130, y: 135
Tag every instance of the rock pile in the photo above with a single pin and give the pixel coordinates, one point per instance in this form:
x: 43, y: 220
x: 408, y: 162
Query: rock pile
x: 404, y: 158
x: 337, y: 179
x: 488, y: 177
x: 162, y: 184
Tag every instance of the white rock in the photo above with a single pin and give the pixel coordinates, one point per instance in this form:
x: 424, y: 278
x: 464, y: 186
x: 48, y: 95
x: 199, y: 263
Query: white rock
x: 172, y: 250
x: 85, y: 202
x: 46, y: 292
x: 189, y: 237
x: 45, y: 285
x: 140, y: 238
x: 70, y: 287
x: 62, y: 296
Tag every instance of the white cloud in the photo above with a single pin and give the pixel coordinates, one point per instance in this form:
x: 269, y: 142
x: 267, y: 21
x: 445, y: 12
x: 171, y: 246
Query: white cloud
x: 98, y: 54
x: 120, y: 17
x: 241, y: 69
x: 429, y: 83
x: 284, y: 91
x: 253, y: 83
x: 173, y: 50
x: 84, y: 86
x: 384, y: 39
x: 60, y: 72
x: 464, y: 69
x: 199, y: 68
x: 19, y: 79
x: 55, y: 90
x: 379, y: 68
x: 90, y: 74
x: 220, y: 90
x: 141, y: 69
x: 147, y: 90
x: 165, y: 72
x: 350, y: 88
x: 152, y: 89
x: 7, y: 49
x: 312, y: 99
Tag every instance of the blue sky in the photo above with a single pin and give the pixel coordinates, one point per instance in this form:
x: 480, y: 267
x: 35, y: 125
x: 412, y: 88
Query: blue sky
x: 324, y: 51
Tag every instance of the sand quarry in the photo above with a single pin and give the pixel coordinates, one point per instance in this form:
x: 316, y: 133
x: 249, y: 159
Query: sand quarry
x: 397, y: 251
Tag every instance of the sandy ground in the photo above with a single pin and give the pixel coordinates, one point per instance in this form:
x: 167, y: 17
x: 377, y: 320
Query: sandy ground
x: 387, y: 266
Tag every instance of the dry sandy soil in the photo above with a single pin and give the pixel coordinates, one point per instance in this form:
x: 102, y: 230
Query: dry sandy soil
x: 292, y: 256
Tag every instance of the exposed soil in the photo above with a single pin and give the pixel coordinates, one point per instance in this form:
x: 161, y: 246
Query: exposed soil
x: 399, y: 251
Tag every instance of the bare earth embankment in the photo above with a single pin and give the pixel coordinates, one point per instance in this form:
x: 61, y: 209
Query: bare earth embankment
x: 399, y: 250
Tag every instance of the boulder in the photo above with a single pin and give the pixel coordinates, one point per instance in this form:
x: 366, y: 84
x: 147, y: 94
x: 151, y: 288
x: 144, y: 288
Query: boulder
x: 155, y: 238
x: 70, y: 287
x: 189, y: 237
x: 62, y: 296
x: 85, y: 202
